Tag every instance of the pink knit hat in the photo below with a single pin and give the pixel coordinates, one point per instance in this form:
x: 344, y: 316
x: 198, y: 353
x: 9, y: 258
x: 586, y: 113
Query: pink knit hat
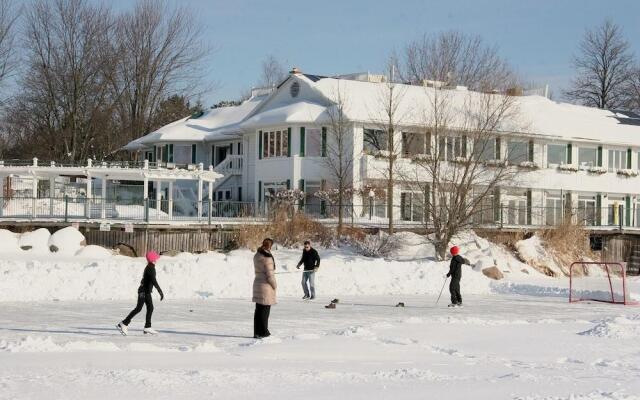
x: 152, y: 256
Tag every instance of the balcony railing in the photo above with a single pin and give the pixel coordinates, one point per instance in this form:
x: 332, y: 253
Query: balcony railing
x: 153, y: 211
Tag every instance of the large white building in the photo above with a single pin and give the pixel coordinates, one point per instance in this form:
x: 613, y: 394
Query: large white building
x: 570, y: 156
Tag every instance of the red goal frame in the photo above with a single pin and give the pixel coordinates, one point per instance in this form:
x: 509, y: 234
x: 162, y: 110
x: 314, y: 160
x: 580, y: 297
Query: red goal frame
x: 625, y: 298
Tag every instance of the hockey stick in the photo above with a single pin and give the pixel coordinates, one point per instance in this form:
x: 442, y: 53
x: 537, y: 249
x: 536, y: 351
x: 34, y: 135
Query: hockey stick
x: 443, y: 285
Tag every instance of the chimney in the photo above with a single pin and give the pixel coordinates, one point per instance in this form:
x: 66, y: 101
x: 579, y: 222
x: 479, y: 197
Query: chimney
x: 295, y: 71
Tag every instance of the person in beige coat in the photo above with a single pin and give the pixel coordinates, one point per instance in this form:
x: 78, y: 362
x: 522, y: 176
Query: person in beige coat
x: 264, y: 288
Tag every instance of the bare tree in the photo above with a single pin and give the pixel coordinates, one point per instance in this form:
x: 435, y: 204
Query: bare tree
x: 273, y: 72
x: 159, y: 53
x: 8, y: 18
x: 385, y: 140
x: 603, y: 68
x: 454, y: 58
x: 339, y: 156
x: 63, y: 105
x: 458, y: 177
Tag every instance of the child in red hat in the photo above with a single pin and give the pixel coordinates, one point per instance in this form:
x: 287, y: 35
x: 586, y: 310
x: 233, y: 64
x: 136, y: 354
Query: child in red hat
x: 455, y: 272
x: 144, y: 295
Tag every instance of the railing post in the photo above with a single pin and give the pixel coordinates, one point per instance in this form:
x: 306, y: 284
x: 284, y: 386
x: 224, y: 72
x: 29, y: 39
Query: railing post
x: 620, y: 216
x: 66, y: 208
x: 209, y: 207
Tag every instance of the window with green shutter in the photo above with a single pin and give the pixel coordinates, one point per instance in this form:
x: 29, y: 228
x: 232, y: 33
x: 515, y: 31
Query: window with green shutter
x: 259, y: 145
x: 529, y: 207
x: 498, y: 150
x: 599, y: 156
x: 629, y: 156
x: 531, y: 150
x: 569, y: 154
x: 288, y: 184
x: 288, y: 142
x: 193, y: 153
x: 599, y: 208
x: 259, y: 191
x: 324, y: 142
x: 302, y: 141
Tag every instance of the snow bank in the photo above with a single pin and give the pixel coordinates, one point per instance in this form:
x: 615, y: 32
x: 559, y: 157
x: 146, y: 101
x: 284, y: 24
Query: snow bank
x: 9, y: 241
x: 93, y: 273
x: 215, y: 275
x: 67, y: 240
x: 94, y: 252
x: 36, y: 241
x: 615, y: 328
x: 533, y: 253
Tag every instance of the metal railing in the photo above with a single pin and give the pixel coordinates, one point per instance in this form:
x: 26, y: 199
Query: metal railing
x: 207, y: 212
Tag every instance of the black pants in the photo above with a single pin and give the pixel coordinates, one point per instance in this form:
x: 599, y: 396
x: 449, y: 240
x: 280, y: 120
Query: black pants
x: 143, y: 298
x: 454, y: 289
x: 261, y: 320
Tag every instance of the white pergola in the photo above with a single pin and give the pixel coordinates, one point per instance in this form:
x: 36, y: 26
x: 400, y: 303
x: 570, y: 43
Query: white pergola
x: 106, y: 172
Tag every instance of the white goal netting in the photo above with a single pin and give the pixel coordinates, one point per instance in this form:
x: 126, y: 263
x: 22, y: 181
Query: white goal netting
x: 593, y: 281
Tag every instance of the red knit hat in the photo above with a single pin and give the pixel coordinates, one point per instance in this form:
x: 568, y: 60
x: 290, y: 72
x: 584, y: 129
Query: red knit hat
x: 455, y: 250
x: 152, y: 257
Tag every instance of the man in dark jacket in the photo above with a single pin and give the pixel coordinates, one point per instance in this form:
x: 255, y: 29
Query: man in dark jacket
x: 311, y: 261
x: 147, y: 284
x: 455, y: 272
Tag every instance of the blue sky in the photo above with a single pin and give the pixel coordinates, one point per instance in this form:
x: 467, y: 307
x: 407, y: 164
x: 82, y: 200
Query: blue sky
x: 330, y: 37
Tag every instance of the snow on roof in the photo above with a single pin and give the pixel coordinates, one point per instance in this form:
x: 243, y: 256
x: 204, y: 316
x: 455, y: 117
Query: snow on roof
x: 364, y: 102
x: 536, y: 115
x: 214, y: 124
x: 299, y: 112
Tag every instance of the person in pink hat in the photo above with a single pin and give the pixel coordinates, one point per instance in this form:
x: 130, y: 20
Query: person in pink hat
x: 144, y: 296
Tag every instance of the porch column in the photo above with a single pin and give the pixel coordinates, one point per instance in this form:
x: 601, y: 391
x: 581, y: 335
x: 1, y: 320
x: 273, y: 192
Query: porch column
x: 89, y: 196
x: 199, y: 197
x: 103, y: 209
x: 158, y: 198
x: 145, y: 197
x: 34, y: 188
x: 170, y: 199
x: 210, y: 190
x: 52, y: 194
x: 145, y: 188
x: 2, y: 199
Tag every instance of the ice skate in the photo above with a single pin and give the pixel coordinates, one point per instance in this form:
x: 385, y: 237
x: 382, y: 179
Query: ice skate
x: 452, y: 305
x: 124, y: 330
x: 149, y: 331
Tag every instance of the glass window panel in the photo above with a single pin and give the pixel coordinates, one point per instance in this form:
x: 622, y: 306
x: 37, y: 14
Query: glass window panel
x: 556, y: 154
x: 413, y: 143
x: 587, y: 157
x: 182, y: 154
x: 374, y: 141
x: 484, y: 149
x: 517, y: 151
x: 278, y: 144
x: 313, y: 147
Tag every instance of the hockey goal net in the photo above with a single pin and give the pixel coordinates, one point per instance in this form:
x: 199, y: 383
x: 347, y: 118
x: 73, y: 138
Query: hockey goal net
x: 598, y: 281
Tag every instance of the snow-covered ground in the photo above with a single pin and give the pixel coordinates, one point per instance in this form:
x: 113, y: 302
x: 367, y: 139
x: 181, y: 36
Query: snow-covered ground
x: 496, y: 347
x: 516, y: 338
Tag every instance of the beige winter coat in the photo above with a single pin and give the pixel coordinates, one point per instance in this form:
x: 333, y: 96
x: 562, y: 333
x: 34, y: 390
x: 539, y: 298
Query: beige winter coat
x: 264, y: 284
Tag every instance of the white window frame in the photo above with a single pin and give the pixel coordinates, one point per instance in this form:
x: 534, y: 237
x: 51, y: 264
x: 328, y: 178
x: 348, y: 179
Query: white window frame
x: 612, y: 158
x: 279, y: 139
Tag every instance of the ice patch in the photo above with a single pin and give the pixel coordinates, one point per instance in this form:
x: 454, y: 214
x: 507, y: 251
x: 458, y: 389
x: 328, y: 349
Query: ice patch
x: 31, y: 344
x: 402, y: 374
x: 356, y: 331
x: 206, y: 347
